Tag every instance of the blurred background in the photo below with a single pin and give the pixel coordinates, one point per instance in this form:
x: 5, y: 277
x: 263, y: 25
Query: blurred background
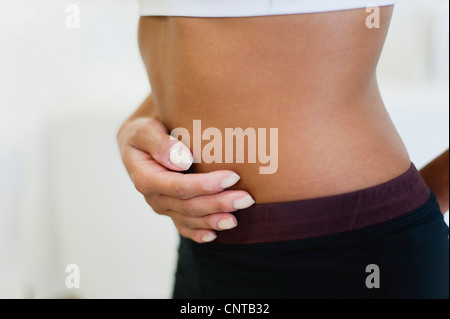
x: 65, y: 197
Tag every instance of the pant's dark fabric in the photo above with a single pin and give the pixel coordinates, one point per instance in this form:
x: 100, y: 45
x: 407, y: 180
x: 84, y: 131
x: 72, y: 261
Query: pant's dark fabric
x: 411, y: 251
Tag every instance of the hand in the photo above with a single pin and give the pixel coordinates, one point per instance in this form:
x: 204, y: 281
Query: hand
x: 197, y: 203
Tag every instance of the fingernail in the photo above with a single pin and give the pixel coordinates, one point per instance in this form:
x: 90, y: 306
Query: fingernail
x: 208, y: 238
x: 180, y: 156
x: 244, y: 202
x: 228, y: 223
x: 230, y: 181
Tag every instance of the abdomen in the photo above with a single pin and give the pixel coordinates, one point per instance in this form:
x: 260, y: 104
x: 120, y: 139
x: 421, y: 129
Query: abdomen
x: 310, y: 77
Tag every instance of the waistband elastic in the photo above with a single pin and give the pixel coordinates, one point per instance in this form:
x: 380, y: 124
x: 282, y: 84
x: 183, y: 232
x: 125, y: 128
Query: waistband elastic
x: 275, y: 222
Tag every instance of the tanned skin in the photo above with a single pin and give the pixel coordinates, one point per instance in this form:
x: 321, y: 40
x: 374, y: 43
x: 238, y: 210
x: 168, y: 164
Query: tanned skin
x: 312, y: 76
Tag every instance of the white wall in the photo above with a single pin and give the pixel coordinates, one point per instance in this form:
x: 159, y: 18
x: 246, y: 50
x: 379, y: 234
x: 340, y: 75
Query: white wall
x: 65, y: 197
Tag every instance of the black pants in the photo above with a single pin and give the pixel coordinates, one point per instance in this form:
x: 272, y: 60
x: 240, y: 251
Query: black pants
x: 411, y: 253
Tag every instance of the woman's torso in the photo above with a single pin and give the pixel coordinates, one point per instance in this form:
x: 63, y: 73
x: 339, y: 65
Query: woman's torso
x: 311, y: 76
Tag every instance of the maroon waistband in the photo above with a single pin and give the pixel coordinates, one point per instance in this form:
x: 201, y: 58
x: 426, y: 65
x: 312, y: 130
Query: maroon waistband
x: 285, y: 221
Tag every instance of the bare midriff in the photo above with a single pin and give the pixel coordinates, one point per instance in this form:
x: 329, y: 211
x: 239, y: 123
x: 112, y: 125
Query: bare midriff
x: 311, y: 76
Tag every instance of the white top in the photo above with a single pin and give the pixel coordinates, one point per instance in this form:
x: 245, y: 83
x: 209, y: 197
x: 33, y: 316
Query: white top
x: 249, y: 8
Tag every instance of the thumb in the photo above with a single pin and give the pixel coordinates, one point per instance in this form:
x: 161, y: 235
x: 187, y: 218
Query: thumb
x: 152, y: 137
x: 180, y: 155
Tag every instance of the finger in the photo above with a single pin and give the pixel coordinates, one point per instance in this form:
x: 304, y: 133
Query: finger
x: 141, y: 167
x: 201, y: 236
x: 219, y: 222
x: 149, y: 177
x: 198, y: 235
x: 153, y: 180
x: 225, y: 202
x: 152, y: 137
